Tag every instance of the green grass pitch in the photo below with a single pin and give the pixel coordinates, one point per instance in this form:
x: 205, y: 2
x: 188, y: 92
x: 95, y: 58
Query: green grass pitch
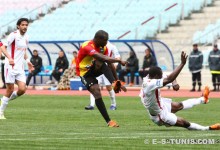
x: 60, y: 122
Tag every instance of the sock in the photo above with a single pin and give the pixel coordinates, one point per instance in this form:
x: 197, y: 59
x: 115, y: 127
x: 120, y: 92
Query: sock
x: 92, y: 100
x: 194, y: 126
x: 112, y: 97
x: 13, y: 95
x: 192, y: 102
x: 101, y: 106
x: 4, y: 103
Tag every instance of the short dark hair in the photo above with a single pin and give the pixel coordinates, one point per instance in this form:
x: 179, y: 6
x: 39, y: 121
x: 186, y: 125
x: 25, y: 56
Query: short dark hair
x: 35, y: 50
x: 153, y: 71
x: 101, y: 34
x: 22, y: 19
x: 216, y: 46
x: 75, y: 52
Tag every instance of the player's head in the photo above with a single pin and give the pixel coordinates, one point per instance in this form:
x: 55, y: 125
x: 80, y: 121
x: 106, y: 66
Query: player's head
x: 155, y: 72
x: 61, y: 53
x: 100, y: 38
x: 35, y: 52
x: 22, y: 25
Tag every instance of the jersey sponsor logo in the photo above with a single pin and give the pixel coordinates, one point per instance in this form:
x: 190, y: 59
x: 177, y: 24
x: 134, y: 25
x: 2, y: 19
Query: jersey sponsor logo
x: 21, y: 49
x: 92, y: 51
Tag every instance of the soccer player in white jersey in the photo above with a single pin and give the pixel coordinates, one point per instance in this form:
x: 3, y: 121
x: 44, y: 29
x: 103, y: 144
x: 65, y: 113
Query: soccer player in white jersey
x: 162, y: 110
x: 112, y: 52
x: 17, y: 44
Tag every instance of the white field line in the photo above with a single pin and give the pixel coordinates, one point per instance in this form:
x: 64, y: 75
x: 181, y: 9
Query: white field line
x: 105, y: 137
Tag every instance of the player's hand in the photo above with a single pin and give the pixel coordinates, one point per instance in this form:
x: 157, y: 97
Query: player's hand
x: 183, y: 57
x: 30, y: 67
x: 123, y: 63
x: 176, y: 87
x: 11, y: 61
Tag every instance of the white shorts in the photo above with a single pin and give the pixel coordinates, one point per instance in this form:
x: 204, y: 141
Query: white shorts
x: 103, y: 80
x: 14, y: 74
x: 165, y: 117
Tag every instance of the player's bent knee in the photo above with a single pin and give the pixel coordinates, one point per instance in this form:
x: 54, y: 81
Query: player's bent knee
x: 21, y: 91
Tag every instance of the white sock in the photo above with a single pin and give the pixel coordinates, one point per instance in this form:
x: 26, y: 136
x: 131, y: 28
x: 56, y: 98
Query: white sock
x: 92, y: 100
x: 4, y: 103
x: 192, y: 102
x: 194, y: 126
x: 13, y: 95
x: 112, y: 97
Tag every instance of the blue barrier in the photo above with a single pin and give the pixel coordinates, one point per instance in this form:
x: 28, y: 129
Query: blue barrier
x: 45, y: 71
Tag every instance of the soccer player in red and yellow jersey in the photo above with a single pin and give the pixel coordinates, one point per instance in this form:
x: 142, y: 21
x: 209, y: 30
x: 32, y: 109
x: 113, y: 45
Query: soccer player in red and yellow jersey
x: 92, y: 61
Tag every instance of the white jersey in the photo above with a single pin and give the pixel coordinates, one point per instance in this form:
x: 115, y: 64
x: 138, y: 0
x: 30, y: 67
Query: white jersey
x: 112, y: 50
x: 150, y: 94
x: 17, y: 45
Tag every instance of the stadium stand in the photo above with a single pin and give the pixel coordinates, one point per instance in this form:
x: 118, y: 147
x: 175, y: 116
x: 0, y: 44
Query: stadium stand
x: 31, y: 9
x: 114, y: 19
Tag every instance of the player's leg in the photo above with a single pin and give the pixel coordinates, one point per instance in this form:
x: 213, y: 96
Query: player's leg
x: 5, y: 99
x: 3, y: 75
x: 21, y: 90
x: 10, y: 80
x: 91, y: 106
x: 102, y: 68
x: 21, y: 82
x: 112, y: 97
x: 92, y: 85
x: 170, y: 119
x: 92, y: 98
x: 95, y: 90
x: 110, y: 91
x: 189, y: 125
x: 176, y: 106
x: 194, y: 126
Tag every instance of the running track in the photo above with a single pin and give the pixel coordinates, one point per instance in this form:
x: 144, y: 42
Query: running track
x: 130, y: 92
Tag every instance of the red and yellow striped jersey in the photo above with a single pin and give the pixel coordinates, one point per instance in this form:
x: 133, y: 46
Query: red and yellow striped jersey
x: 85, y: 56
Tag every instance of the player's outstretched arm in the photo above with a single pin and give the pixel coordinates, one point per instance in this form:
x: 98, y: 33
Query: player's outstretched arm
x: 176, y: 71
x: 108, y: 59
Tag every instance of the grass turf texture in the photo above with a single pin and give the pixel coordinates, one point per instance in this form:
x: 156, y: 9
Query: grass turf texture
x: 60, y: 122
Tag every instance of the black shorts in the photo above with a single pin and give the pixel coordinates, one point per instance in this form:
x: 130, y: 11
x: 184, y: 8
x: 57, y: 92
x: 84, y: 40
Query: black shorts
x: 89, y: 78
